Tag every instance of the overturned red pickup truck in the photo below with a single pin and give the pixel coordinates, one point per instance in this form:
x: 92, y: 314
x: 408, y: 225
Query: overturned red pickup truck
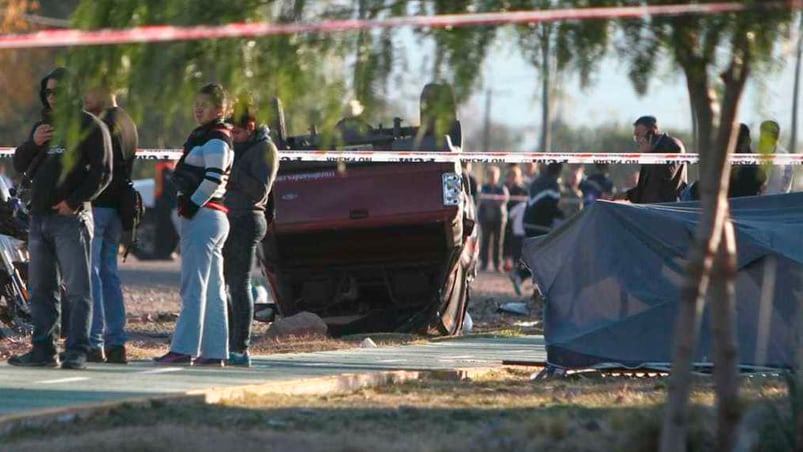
x: 375, y: 247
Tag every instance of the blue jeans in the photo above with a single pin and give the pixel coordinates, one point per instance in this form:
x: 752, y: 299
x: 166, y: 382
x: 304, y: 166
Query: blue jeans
x: 202, y: 327
x: 247, y: 231
x: 59, y: 248
x: 108, y: 309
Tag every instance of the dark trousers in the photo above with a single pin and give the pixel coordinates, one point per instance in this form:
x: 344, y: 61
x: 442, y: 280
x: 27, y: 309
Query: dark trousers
x: 492, y: 235
x: 59, y: 248
x: 246, y: 232
x: 516, y: 242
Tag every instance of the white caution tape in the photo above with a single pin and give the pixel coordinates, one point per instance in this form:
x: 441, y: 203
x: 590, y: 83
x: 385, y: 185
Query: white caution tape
x: 165, y: 33
x: 511, y: 198
x: 499, y: 157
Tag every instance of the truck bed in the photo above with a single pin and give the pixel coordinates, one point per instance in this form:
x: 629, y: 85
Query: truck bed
x: 362, y: 196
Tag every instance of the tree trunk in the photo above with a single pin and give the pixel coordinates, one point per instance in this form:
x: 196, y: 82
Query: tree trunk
x: 695, y: 135
x: 687, y: 323
x: 723, y: 314
x: 359, y: 65
x: 701, y: 254
x: 726, y: 349
x: 713, y: 182
x: 797, y: 390
x: 546, y: 120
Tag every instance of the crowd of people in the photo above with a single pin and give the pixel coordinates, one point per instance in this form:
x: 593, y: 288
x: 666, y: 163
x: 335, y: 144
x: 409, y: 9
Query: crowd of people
x: 80, y: 190
x: 79, y: 196
x: 534, y: 200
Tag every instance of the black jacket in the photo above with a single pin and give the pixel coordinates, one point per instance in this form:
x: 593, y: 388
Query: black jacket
x: 747, y: 180
x: 542, y: 207
x: 124, y: 147
x: 660, y: 183
x: 51, y: 182
x: 253, y: 172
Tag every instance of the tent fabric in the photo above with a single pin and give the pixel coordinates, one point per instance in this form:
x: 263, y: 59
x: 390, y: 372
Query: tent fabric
x: 612, y: 275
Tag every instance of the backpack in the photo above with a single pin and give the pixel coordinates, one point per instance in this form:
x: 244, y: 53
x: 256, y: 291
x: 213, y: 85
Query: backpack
x: 132, y: 209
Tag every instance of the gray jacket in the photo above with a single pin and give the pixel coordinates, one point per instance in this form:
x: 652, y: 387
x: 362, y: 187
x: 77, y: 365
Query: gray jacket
x: 256, y: 163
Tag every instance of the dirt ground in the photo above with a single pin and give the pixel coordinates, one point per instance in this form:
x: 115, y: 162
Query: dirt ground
x: 151, y: 293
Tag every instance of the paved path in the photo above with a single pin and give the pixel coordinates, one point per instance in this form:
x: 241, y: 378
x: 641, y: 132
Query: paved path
x: 25, y: 391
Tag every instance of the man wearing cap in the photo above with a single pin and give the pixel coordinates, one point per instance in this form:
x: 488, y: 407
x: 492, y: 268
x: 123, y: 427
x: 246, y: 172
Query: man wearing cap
x: 656, y: 183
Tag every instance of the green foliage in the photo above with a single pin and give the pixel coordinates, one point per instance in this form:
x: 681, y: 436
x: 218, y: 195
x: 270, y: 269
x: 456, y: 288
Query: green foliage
x: 460, y: 53
x: 699, y: 44
x: 160, y: 80
x: 576, y: 45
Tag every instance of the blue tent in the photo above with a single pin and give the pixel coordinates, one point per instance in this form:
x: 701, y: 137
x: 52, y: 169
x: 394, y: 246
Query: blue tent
x: 611, y: 277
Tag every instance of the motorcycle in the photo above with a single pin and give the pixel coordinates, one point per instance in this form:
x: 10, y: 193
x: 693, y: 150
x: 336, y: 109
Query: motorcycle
x: 15, y: 310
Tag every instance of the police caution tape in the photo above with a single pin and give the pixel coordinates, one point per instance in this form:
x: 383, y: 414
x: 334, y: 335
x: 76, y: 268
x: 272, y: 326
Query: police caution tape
x: 165, y: 33
x: 499, y: 157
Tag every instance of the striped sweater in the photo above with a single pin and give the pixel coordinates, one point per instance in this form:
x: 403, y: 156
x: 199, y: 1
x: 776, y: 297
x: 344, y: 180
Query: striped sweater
x: 208, y: 155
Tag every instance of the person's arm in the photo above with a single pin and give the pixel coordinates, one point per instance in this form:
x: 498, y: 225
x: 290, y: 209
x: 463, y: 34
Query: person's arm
x: 125, y: 139
x: 666, y: 174
x: 27, y: 151
x: 255, y: 176
x: 633, y: 195
x: 505, y: 197
x: 96, y: 149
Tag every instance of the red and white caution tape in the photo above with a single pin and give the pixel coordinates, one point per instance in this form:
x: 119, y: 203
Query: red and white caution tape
x: 487, y: 157
x: 164, y: 33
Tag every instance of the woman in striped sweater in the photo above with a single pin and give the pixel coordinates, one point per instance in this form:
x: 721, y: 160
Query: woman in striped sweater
x: 201, y: 336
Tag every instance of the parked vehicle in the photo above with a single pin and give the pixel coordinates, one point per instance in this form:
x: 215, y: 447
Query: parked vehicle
x: 375, y: 246
x: 158, y: 232
x: 15, y: 311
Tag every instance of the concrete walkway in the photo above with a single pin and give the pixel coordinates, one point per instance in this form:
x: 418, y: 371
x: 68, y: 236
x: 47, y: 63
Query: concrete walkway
x: 25, y: 392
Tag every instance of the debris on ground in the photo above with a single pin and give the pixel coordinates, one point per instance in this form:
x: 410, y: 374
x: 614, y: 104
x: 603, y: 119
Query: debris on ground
x: 264, y: 312
x: 302, y: 324
x: 468, y: 324
x: 515, y: 308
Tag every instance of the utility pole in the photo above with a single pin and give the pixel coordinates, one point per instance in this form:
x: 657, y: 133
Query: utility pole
x: 796, y: 90
x: 486, y: 133
x: 546, y: 114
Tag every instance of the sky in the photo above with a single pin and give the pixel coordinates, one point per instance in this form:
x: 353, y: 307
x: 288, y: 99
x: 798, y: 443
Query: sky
x: 610, y: 99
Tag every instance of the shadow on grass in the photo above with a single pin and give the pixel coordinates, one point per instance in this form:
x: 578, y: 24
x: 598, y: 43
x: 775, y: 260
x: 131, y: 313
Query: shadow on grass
x: 230, y: 428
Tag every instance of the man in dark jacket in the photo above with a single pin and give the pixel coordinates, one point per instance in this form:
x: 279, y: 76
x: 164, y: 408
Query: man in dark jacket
x: 253, y: 172
x: 540, y: 214
x: 66, y: 174
x: 657, y: 183
x: 108, y: 337
x: 597, y: 186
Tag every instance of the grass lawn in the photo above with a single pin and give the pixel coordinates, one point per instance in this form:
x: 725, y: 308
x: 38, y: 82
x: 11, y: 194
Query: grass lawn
x: 501, y: 411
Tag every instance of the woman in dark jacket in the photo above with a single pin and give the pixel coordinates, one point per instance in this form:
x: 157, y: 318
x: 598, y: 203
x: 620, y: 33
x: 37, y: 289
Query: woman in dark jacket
x: 746, y: 180
x: 255, y: 165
